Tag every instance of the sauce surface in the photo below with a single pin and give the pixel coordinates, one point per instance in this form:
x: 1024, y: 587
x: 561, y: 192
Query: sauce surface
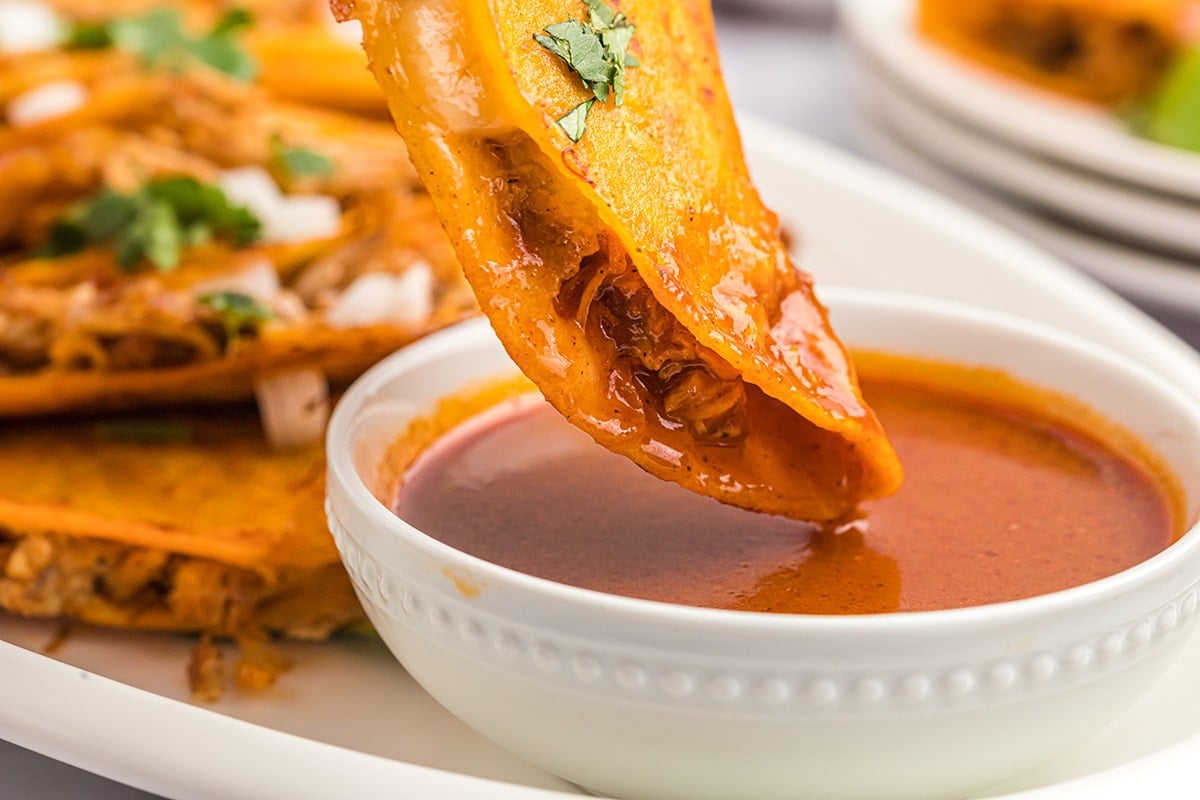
x: 998, y: 504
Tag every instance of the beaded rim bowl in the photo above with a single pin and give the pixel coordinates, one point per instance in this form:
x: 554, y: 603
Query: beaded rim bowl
x: 692, y: 702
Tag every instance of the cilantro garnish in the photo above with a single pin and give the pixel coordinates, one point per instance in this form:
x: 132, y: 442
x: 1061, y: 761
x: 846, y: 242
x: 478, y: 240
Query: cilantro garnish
x: 235, y: 19
x: 150, y: 431
x: 154, y: 223
x: 238, y: 311
x: 596, y: 51
x: 575, y: 120
x: 299, y: 162
x: 87, y: 35
x: 1170, y: 114
x: 159, y: 39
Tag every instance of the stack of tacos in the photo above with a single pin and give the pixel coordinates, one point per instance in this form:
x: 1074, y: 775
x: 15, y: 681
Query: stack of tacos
x: 201, y: 205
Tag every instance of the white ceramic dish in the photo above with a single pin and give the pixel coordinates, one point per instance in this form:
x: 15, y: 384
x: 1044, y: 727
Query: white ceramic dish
x: 1084, y: 137
x: 687, y: 703
x: 782, y: 8
x: 347, y: 723
x: 1111, y: 209
x: 1161, y: 281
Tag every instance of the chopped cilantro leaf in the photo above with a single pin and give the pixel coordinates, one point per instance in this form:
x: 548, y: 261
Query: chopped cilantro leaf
x: 154, y: 224
x: 1171, y: 113
x: 238, y: 312
x: 158, y: 37
x: 224, y: 55
x: 581, y: 47
x: 204, y: 204
x: 596, y: 51
x: 154, y: 235
x: 151, y: 36
x: 602, y: 16
x: 87, y: 35
x: 299, y: 162
x: 574, y: 122
x: 235, y: 19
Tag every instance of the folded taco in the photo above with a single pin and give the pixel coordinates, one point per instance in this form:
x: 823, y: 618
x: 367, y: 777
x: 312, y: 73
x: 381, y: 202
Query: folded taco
x: 188, y: 523
x: 173, y: 230
x: 585, y: 159
x: 189, y: 219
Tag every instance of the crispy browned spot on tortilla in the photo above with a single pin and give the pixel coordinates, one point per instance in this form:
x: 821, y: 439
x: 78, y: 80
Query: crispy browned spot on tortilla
x: 1108, y: 51
x: 635, y: 276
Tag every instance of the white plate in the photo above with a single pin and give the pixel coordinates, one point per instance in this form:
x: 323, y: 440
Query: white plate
x: 788, y: 8
x: 348, y: 722
x: 1085, y: 137
x: 1112, y: 209
x: 1158, y: 280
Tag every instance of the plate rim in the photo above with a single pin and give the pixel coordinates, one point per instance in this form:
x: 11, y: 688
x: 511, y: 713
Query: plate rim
x: 1024, y: 116
x: 1175, y: 284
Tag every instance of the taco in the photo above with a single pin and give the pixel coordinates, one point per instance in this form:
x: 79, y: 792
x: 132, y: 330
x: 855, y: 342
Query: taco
x: 585, y: 161
x: 1108, y: 51
x: 186, y: 233
x: 182, y: 234
x: 188, y: 523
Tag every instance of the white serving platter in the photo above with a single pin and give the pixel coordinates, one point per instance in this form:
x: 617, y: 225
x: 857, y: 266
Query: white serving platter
x: 348, y: 722
x: 1077, y: 134
x: 1112, y: 209
x: 782, y: 8
x: 1158, y: 280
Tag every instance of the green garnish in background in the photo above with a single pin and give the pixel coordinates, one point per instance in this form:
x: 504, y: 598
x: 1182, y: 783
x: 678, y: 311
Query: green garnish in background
x: 1171, y: 115
x: 597, y: 51
x: 154, y: 224
x: 299, y: 162
x: 88, y: 35
x: 159, y: 39
x: 150, y: 431
x: 238, y: 311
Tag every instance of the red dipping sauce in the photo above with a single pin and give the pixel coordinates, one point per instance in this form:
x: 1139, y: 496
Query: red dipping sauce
x: 1001, y: 500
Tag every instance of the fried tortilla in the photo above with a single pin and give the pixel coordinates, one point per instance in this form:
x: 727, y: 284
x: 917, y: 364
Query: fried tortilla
x: 1106, y: 51
x: 629, y: 267
x: 184, y: 523
x: 81, y: 329
x: 194, y: 523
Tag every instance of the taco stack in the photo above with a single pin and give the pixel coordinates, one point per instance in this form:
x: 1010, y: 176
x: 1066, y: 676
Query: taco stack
x: 207, y: 226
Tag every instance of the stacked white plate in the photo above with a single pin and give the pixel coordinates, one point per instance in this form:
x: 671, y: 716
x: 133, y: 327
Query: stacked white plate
x: 1065, y: 174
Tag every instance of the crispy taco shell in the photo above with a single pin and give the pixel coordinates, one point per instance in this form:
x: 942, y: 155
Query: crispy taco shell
x: 341, y: 355
x: 213, y: 532
x: 634, y: 275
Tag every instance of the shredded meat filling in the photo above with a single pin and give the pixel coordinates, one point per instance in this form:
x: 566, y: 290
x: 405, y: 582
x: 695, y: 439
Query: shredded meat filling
x: 52, y: 576
x: 686, y: 383
x: 1065, y: 41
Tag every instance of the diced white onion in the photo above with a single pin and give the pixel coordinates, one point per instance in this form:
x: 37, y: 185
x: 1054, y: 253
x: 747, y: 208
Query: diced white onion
x: 295, y: 219
x: 284, y: 218
x: 293, y: 406
x: 252, y: 187
x: 26, y: 26
x: 257, y: 278
x: 381, y: 298
x: 47, y: 101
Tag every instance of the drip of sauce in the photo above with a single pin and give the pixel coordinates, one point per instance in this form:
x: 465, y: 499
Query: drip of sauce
x: 1002, y: 500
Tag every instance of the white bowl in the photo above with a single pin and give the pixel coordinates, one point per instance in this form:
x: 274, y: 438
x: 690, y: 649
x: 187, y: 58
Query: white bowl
x: 638, y: 699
